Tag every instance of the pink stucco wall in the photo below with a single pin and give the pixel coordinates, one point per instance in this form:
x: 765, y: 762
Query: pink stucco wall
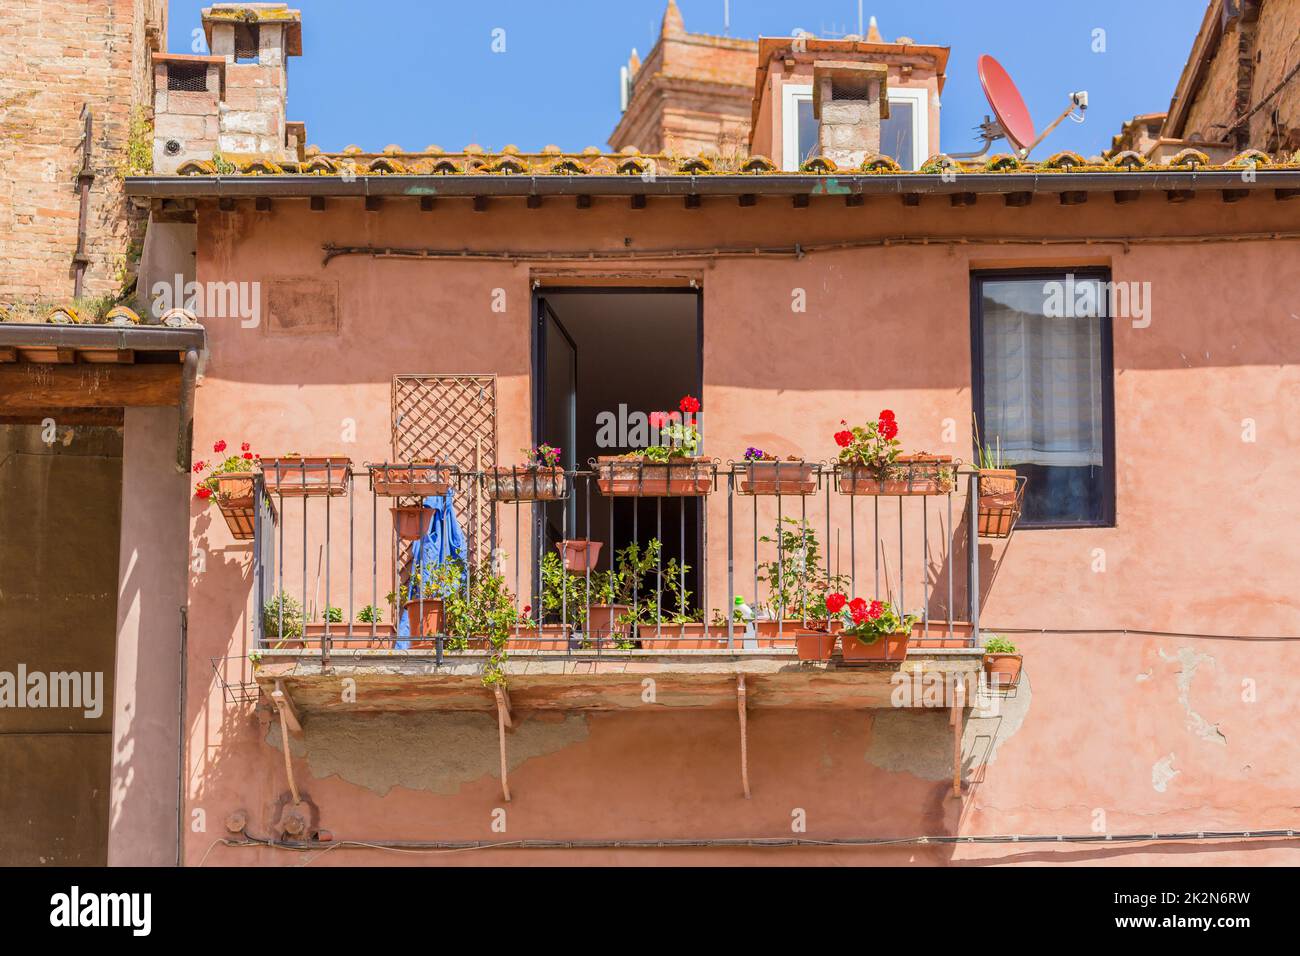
x: 1159, y: 732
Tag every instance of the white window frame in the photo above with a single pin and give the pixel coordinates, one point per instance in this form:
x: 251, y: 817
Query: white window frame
x: 792, y: 93
x: 919, y: 97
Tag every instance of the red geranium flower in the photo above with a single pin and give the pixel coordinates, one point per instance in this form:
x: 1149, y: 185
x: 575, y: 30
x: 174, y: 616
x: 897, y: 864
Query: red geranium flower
x: 203, y: 492
x: 835, y: 602
x: 220, y: 446
x: 887, y: 428
x: 875, y: 610
x: 244, y: 447
x: 658, y: 419
x: 844, y: 439
x: 248, y: 456
x: 689, y: 404
x: 857, y: 605
x: 886, y: 415
x: 199, y: 466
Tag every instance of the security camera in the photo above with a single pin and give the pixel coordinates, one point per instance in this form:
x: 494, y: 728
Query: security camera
x: 1080, y: 99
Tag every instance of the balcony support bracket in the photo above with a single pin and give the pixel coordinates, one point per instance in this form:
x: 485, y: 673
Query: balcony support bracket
x: 744, y: 734
x: 958, y: 705
x: 503, y: 721
x: 288, y: 720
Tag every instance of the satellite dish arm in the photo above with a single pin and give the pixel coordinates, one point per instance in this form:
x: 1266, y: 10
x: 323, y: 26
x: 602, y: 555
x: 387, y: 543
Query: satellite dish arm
x: 1077, y: 101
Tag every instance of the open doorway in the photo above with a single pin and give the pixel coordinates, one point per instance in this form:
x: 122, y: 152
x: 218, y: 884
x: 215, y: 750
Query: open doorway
x: 607, y: 355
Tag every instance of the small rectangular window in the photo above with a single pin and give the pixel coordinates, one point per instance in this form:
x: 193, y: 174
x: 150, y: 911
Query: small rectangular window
x: 1043, y: 374
x: 248, y: 42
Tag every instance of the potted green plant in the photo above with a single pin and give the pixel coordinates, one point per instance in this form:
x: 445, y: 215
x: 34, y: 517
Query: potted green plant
x: 671, y: 468
x: 872, y: 630
x: 794, y: 580
x: 871, y: 462
x: 765, y: 474
x: 1001, y: 663
x: 424, y: 601
x: 315, y: 630
x: 369, y: 631
x: 282, y: 623
x: 670, y: 624
x: 539, y: 478
x: 229, y: 483
x: 999, y: 500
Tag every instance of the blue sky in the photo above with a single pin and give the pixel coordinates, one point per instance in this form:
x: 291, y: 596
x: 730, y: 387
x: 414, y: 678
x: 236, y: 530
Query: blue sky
x: 420, y: 72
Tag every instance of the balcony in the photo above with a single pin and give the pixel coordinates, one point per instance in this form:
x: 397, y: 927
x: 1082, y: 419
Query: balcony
x: 624, y: 609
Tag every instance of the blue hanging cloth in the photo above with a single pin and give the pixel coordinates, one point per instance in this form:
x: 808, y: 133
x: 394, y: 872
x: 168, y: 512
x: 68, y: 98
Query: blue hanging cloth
x: 443, y: 542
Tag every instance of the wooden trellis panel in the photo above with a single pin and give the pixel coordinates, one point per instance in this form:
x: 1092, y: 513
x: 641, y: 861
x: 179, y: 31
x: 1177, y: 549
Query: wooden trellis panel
x: 448, y: 417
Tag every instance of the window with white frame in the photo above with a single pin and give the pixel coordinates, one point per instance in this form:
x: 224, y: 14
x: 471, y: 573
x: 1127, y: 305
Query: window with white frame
x: 903, y: 136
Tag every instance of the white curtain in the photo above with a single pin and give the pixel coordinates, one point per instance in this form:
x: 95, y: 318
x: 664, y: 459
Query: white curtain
x: 1042, y: 377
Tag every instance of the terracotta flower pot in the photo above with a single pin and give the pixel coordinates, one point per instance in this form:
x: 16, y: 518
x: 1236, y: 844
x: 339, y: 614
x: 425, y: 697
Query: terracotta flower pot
x: 580, y: 555
x: 294, y: 476
x: 634, y: 477
x: 962, y: 635
x: 778, y: 478
x: 361, y: 638
x: 420, y: 478
x: 412, y: 523
x: 814, y: 645
x: 603, y: 620
x: 520, y: 483
x: 683, y: 637
x: 548, y: 637
x: 425, y: 617
x: 778, y: 633
x: 887, y: 647
x: 1002, y: 670
x: 999, y: 506
x: 234, y: 497
x: 909, y: 475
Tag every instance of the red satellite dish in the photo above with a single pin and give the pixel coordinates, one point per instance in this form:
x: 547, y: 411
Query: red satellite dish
x: 1007, y: 103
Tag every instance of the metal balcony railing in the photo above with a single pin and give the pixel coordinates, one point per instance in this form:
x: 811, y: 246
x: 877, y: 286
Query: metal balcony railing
x: 618, y: 557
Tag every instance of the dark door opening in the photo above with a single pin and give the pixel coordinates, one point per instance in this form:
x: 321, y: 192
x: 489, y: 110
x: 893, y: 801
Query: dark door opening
x: 604, y: 358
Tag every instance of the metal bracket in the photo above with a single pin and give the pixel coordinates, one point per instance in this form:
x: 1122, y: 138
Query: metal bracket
x: 504, y: 720
x: 744, y: 734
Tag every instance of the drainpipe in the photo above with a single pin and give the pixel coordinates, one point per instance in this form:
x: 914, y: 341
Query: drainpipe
x: 180, y: 741
x: 85, y: 177
x: 185, y: 423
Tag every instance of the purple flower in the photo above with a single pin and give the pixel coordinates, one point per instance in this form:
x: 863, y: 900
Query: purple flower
x: 754, y: 454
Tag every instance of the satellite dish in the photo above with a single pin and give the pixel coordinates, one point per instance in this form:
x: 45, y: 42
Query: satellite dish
x: 1013, y: 122
x: 1007, y: 103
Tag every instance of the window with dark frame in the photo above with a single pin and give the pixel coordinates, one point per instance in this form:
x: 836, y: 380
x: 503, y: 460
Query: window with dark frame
x: 1044, y: 400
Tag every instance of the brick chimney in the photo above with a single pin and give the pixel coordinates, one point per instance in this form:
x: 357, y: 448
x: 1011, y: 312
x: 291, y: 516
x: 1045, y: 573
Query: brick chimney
x: 231, y: 102
x: 849, y: 101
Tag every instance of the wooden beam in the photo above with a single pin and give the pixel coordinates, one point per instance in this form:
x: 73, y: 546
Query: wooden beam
x: 962, y: 199
x: 374, y: 203
x: 911, y: 199
x: 583, y: 201
x: 1180, y: 195
x: 24, y: 386
x: 534, y: 201
x: 638, y: 201
x: 262, y: 203
x: 107, y: 356
x: 1019, y: 199
x: 747, y: 199
x: 692, y: 201
x: 226, y: 204
x: 1074, y: 197
x: 799, y: 201
x: 854, y: 199
x: 8, y: 355
x: 1123, y: 196
x: 1285, y: 194
x: 480, y: 203
x: 317, y: 203
x: 426, y: 204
